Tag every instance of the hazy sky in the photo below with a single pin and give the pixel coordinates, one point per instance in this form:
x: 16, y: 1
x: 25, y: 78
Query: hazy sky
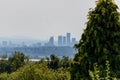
x: 40, y: 19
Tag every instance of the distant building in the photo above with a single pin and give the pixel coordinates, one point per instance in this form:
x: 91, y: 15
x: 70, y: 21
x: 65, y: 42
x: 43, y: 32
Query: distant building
x: 68, y: 39
x: 11, y: 44
x: 64, y: 41
x: 36, y: 44
x: 51, y: 41
x: 23, y: 44
x: 60, y: 41
x: 73, y: 41
x: 4, y: 44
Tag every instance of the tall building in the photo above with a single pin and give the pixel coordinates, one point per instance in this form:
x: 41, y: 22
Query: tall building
x: 68, y: 39
x: 60, y: 41
x: 64, y: 41
x: 51, y: 41
x: 73, y: 41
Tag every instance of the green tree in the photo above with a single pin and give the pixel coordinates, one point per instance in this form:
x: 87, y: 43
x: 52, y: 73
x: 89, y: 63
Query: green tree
x: 64, y: 62
x: 4, y: 66
x: 54, y: 63
x: 99, y: 42
x: 16, y: 61
x: 36, y: 71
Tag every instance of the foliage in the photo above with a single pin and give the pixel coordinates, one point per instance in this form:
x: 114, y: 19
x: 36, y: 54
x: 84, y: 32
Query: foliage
x: 4, y: 76
x: 37, y: 71
x: 41, y: 71
x: 14, y: 62
x: 54, y: 62
x: 100, y: 41
x: 64, y: 62
x: 95, y: 75
x: 4, y: 66
x: 18, y: 67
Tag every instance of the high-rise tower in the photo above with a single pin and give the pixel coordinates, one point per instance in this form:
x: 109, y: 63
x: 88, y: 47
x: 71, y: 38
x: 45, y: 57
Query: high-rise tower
x: 68, y: 39
x: 64, y: 41
x: 60, y: 41
x: 51, y: 41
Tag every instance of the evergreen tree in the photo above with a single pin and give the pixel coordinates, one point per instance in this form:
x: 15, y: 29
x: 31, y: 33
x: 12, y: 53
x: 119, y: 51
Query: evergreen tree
x: 99, y: 42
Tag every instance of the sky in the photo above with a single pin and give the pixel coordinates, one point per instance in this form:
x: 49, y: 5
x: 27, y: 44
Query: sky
x: 40, y: 19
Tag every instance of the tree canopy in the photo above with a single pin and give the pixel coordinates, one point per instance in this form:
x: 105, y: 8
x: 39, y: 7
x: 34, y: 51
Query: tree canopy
x: 99, y: 42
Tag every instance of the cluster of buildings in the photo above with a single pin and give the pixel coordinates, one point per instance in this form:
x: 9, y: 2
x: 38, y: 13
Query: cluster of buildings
x: 12, y: 44
x: 19, y: 44
x: 66, y: 40
x: 62, y: 41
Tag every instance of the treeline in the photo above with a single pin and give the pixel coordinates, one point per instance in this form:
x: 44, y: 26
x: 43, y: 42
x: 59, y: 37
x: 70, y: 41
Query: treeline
x: 12, y: 63
x: 18, y: 67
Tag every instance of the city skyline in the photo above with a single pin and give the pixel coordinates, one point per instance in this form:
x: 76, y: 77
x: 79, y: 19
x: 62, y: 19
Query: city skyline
x: 62, y: 40
x: 39, y: 19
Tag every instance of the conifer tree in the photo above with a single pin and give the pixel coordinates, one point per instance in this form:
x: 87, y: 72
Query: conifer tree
x: 99, y: 42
